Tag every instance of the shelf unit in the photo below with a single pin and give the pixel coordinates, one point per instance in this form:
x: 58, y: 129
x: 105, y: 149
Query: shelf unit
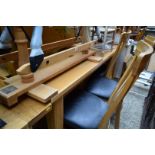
x: 107, y: 35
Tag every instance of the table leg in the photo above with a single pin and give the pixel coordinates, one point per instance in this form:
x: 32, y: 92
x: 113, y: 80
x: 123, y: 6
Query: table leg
x: 55, y: 117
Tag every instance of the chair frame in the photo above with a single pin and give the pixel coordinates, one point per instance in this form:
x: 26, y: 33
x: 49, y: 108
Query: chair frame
x: 122, y: 43
x: 150, y: 40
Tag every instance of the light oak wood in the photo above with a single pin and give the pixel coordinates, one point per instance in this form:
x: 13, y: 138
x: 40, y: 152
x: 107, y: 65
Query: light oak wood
x: 27, y: 76
x: 61, y: 44
x: 48, y: 48
x: 51, y: 66
x: 14, y: 121
x: 7, y: 69
x: 22, y: 47
x: 30, y: 110
x: 13, y: 56
x: 25, y: 114
x: 52, y: 59
x: 2, y: 83
x: 151, y: 64
x: 140, y: 34
x: 55, y: 118
x: 27, y: 80
x: 122, y: 43
x: 70, y: 79
x: 138, y: 63
x: 3, y: 72
x: 117, y: 115
x: 150, y: 39
x: 42, y: 93
x: 95, y: 58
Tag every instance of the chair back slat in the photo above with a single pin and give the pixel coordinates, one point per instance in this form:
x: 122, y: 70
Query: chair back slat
x: 142, y: 54
x: 119, y: 49
x: 140, y: 34
x: 150, y: 39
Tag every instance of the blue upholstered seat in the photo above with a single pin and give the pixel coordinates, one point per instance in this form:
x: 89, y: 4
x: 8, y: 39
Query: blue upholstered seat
x: 84, y: 110
x: 101, y: 86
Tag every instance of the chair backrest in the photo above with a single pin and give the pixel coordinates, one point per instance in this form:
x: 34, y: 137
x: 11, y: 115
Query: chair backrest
x: 140, y: 34
x: 150, y: 40
x: 136, y: 66
x: 119, y: 49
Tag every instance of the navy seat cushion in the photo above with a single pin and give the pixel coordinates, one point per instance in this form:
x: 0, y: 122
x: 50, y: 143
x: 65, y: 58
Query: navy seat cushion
x: 101, y: 86
x: 84, y: 110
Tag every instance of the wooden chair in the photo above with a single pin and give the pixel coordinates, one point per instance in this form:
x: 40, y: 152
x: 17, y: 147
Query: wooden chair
x: 85, y: 110
x: 103, y: 86
x: 136, y: 66
x: 150, y: 40
x: 123, y: 40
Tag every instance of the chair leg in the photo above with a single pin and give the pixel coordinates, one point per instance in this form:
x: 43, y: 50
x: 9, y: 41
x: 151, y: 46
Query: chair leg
x: 106, y: 126
x: 117, y: 115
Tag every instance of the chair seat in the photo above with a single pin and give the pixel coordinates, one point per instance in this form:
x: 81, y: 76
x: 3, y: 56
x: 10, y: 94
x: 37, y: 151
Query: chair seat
x: 84, y: 110
x: 101, y: 86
